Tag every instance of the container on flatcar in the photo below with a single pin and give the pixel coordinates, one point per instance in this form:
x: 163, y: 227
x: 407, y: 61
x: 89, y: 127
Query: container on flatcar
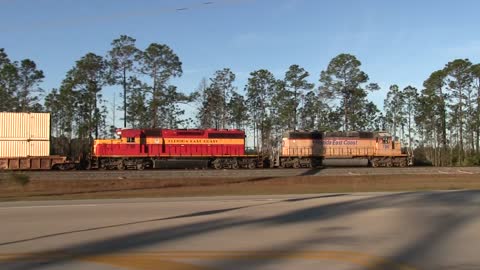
x: 24, y: 126
x: 24, y: 134
x: 25, y: 143
x: 24, y: 148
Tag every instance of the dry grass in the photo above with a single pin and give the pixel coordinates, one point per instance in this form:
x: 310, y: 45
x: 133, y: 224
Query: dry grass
x: 127, y: 188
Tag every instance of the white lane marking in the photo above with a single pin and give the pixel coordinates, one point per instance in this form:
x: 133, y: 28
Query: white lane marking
x: 46, y: 206
x: 465, y: 172
x: 443, y: 172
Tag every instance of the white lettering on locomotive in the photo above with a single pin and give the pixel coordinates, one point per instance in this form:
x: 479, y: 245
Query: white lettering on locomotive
x: 336, y: 142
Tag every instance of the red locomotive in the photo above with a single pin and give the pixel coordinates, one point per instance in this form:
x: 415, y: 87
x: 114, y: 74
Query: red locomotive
x: 168, y: 148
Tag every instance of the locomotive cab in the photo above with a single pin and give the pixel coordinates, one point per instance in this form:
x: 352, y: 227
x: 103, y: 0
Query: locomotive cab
x: 387, y: 145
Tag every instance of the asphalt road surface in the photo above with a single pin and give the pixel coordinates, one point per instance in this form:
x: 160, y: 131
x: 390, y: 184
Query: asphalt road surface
x: 391, y: 231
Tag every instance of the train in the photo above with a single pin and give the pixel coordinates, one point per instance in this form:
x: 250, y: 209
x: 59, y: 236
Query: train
x: 25, y: 145
x: 173, y: 148
x: 225, y: 149
x: 310, y: 149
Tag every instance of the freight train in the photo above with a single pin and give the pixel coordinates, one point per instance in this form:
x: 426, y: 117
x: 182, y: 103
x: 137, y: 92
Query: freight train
x: 25, y: 145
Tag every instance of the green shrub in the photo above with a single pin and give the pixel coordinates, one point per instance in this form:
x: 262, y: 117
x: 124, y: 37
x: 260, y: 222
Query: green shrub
x: 472, y: 161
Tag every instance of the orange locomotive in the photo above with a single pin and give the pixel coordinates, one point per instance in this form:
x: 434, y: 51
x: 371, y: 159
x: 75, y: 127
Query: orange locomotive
x: 309, y: 149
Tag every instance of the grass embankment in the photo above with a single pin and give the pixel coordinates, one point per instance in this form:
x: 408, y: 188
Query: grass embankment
x: 128, y: 188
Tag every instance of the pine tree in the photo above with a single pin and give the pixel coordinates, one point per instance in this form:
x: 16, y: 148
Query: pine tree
x: 205, y: 105
x: 137, y: 109
x: 393, y: 107
x: 260, y: 88
x: 410, y: 97
x: 296, y: 84
x: 476, y: 81
x: 343, y: 80
x: 121, y: 62
x: 87, y: 79
x: 8, y: 83
x: 459, y: 79
x: 237, y: 107
x: 160, y: 63
x: 220, y: 90
x: 309, y: 112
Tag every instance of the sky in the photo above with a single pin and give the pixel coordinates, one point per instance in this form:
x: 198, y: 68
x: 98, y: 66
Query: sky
x: 398, y: 42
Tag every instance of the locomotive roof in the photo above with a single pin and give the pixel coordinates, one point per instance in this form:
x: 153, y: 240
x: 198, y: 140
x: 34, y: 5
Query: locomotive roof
x: 158, y: 132
x: 327, y: 134
x: 181, y: 129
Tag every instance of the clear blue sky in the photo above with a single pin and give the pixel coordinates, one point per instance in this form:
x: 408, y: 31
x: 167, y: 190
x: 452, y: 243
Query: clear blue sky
x: 398, y: 42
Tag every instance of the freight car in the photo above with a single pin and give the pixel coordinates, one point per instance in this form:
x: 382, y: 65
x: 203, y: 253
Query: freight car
x: 309, y: 149
x: 25, y: 143
x: 173, y: 148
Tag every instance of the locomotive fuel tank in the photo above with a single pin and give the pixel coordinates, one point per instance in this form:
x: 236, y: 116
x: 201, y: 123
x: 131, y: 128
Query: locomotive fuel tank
x: 337, y: 162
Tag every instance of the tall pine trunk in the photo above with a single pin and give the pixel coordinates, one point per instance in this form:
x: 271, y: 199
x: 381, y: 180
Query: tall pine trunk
x: 124, y: 98
x: 295, y: 109
x: 154, y: 104
x: 460, y: 124
x: 477, y: 143
x: 346, y: 114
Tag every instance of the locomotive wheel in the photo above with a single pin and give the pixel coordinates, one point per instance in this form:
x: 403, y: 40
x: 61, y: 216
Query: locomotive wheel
x: 307, y: 162
x: 389, y: 163
x: 216, y: 164
x: 235, y: 166
x: 251, y: 165
x: 374, y: 163
x: 403, y: 163
x: 88, y: 165
x: 140, y: 166
x: 296, y: 164
x: 121, y: 165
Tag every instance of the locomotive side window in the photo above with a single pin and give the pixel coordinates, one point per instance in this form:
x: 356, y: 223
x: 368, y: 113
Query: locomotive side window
x: 130, y: 139
x: 385, y: 140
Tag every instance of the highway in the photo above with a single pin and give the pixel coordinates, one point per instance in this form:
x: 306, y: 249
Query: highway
x: 403, y: 231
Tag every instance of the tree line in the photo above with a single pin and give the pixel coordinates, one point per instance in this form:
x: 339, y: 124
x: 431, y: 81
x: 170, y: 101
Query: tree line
x: 440, y: 122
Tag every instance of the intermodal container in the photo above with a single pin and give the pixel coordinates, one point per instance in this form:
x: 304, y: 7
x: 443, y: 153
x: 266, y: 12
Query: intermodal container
x: 10, y: 149
x: 24, y: 126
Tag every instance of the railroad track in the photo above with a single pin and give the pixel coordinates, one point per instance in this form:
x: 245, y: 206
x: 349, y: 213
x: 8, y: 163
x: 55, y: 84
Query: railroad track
x: 169, y: 174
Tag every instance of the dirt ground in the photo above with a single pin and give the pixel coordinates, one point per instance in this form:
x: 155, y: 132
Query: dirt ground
x: 126, y: 188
